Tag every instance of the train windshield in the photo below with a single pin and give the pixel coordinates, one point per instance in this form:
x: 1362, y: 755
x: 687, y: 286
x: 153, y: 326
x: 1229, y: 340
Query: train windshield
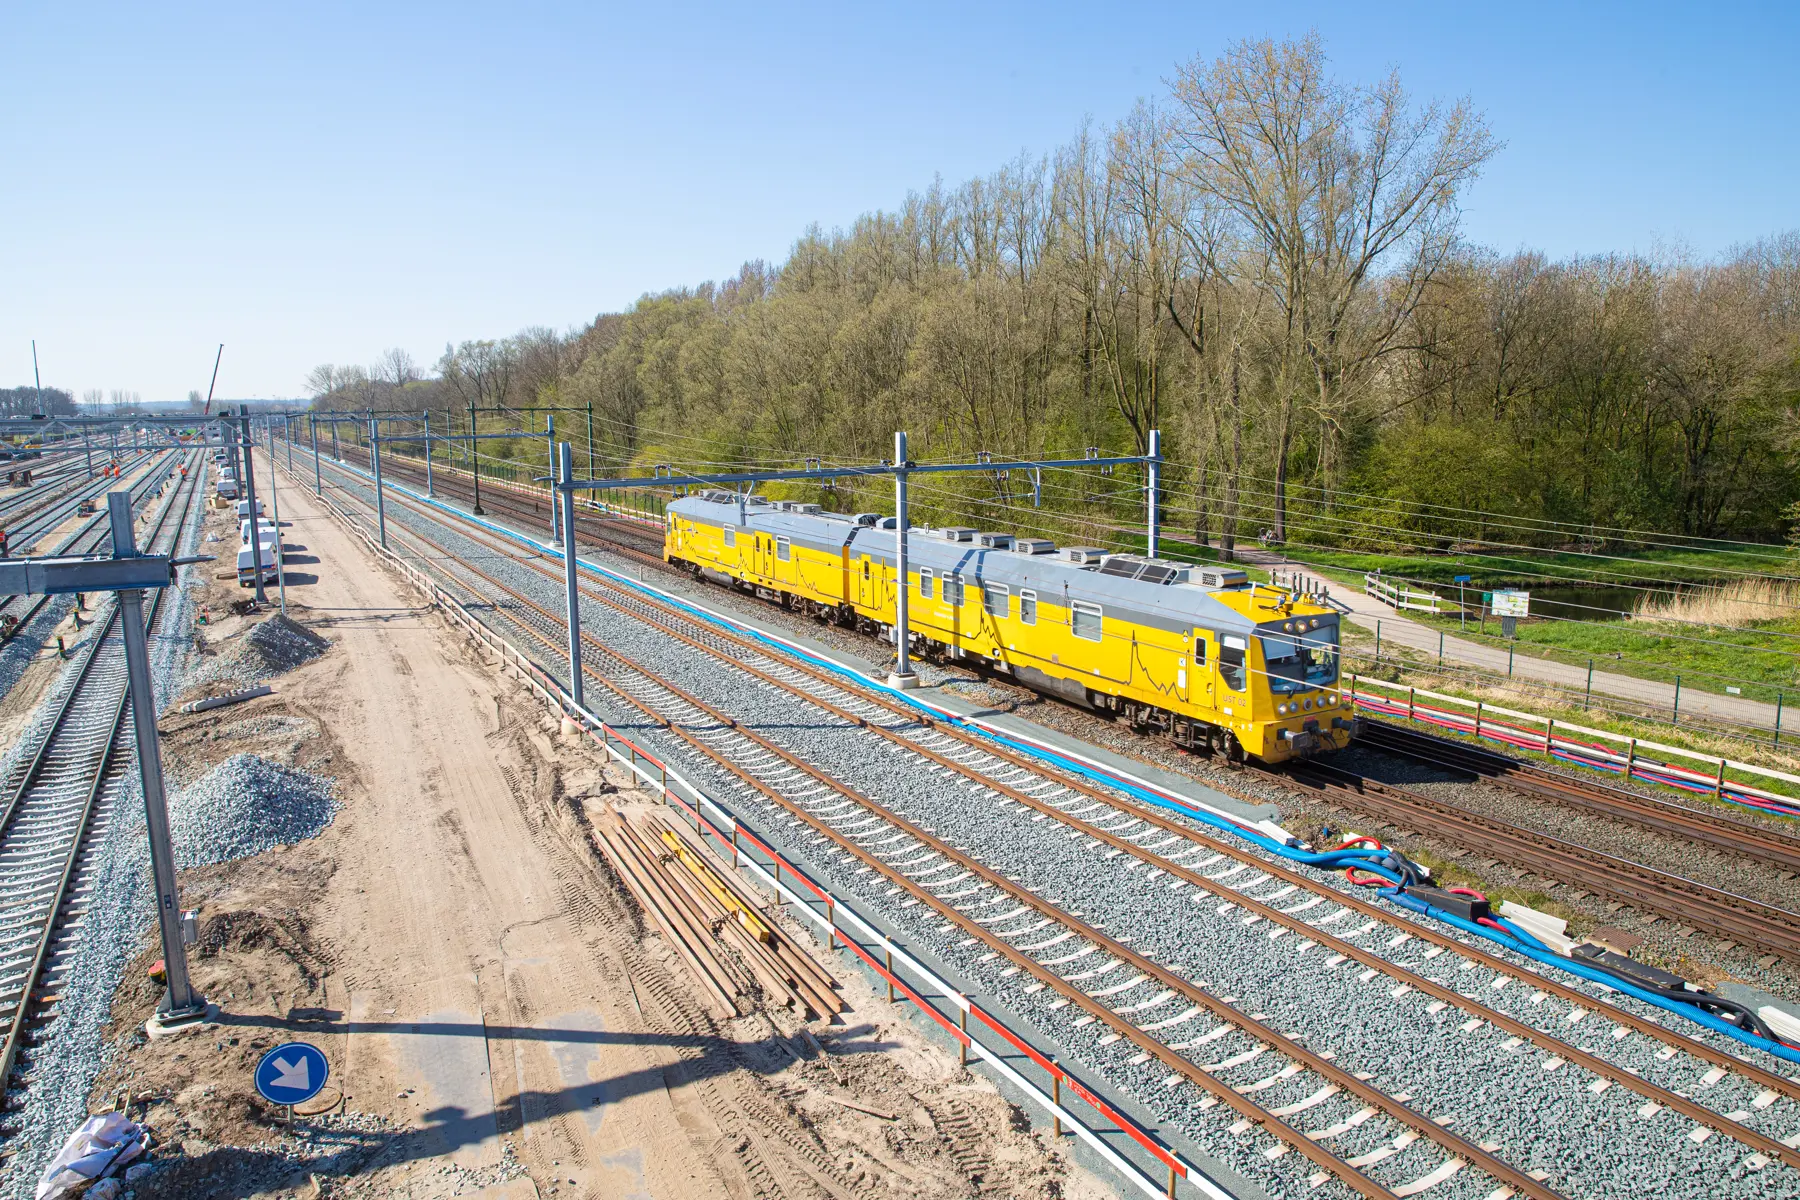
x: 1299, y: 660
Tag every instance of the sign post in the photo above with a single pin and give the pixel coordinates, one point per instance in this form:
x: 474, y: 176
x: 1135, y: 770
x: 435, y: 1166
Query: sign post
x: 1462, y: 609
x: 1509, y: 606
x: 291, y: 1074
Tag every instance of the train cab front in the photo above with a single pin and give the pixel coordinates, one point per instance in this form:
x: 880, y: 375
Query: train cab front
x: 1311, y: 714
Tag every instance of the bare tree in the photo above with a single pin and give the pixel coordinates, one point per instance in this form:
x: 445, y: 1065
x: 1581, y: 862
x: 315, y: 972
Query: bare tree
x: 1346, y: 195
x: 395, y: 368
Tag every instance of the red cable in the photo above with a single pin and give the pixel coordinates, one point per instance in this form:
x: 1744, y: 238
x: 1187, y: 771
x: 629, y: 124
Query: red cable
x: 1463, y: 891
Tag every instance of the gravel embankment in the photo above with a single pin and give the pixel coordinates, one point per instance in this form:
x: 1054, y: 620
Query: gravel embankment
x: 1541, y: 1112
x: 244, y: 806
x: 272, y: 647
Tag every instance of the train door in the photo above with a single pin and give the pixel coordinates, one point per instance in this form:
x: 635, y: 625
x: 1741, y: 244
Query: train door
x: 1199, y: 682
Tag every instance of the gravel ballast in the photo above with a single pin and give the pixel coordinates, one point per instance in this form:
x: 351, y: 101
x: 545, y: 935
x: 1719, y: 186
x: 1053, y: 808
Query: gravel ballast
x: 1541, y: 1112
x: 244, y: 806
x: 119, y: 915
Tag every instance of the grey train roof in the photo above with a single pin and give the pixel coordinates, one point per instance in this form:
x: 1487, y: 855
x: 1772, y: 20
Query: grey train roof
x: 1177, y: 607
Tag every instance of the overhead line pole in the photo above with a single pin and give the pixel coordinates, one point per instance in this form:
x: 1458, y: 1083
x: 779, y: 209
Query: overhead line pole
x: 250, y: 501
x: 565, y: 471
x: 550, y: 456
x: 903, y: 676
x: 318, y: 485
x: 380, y: 495
x: 1153, y: 474
x: 430, y: 489
x: 181, y: 1003
x: 474, y: 463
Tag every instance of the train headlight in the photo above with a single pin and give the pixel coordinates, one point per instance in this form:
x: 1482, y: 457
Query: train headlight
x: 1306, y: 703
x: 1281, y: 710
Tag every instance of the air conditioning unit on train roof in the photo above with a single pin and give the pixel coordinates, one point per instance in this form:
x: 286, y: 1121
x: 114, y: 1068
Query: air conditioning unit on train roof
x: 808, y: 509
x: 994, y: 541
x: 1033, y: 546
x: 956, y: 533
x: 1218, y: 578
x: 1084, y: 556
x: 865, y: 520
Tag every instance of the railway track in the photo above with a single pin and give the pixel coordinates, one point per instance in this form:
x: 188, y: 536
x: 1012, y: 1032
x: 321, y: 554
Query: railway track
x: 1031, y: 935
x: 620, y: 535
x: 64, y: 788
x: 28, y: 532
x: 1719, y: 912
x: 1735, y: 918
x: 1715, y: 910
x: 1746, y: 838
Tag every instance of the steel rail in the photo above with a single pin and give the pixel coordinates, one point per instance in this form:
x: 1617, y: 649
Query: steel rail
x: 1699, y: 905
x: 1662, y: 816
x: 591, y: 527
x: 1399, y: 974
x: 100, y: 771
x: 1563, y: 1049
x: 1257, y: 1031
x: 93, y: 531
x: 1692, y: 1046
x: 1602, y: 1069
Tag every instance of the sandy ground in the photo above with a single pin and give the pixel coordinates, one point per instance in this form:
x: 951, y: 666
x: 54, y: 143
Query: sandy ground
x: 497, y: 1019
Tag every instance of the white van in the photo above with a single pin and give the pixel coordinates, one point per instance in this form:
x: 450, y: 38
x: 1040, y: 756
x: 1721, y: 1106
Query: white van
x: 243, y: 509
x: 265, y: 530
x: 246, y: 567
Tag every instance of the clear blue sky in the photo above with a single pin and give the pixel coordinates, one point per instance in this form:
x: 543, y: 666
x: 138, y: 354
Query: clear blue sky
x: 316, y: 182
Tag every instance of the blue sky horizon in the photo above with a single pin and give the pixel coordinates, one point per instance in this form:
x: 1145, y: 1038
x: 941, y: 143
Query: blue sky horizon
x: 316, y: 186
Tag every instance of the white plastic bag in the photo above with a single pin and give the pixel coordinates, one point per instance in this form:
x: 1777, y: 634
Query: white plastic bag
x: 103, y: 1145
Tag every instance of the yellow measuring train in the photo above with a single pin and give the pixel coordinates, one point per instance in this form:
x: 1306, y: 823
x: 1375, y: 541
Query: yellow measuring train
x: 1198, y: 653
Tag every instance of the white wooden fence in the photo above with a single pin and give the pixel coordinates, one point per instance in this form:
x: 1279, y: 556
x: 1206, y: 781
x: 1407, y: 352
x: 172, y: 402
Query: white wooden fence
x: 1398, y: 596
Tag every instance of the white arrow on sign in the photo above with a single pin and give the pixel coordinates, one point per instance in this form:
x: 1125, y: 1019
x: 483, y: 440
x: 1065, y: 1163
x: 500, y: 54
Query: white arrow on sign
x: 290, y: 1075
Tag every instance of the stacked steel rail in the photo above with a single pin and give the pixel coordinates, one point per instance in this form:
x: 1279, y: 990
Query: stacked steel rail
x: 61, y: 789
x: 913, y: 858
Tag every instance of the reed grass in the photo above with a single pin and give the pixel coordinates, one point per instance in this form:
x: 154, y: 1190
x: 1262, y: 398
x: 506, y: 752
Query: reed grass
x: 1740, y: 602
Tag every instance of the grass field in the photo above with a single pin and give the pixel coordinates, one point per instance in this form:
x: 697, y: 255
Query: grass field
x: 1763, y: 663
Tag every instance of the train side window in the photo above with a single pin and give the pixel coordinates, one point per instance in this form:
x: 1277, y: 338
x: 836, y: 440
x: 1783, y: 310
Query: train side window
x: 953, y: 590
x: 730, y: 536
x: 1085, y: 620
x: 1027, y: 608
x: 783, y: 550
x: 865, y: 570
x: 1199, y: 651
x: 997, y: 599
x: 925, y: 583
x: 1231, y: 662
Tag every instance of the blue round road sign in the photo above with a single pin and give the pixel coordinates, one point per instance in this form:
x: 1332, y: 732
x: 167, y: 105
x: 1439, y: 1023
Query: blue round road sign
x: 291, y: 1074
